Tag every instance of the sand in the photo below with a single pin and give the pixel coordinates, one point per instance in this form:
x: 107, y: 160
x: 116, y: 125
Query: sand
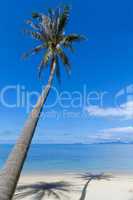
x: 71, y: 186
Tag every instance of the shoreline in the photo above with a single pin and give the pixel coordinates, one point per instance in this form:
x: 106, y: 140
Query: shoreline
x: 63, y: 172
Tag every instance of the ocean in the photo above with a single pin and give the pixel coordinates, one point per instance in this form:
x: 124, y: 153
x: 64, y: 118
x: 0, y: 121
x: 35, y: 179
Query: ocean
x: 75, y: 158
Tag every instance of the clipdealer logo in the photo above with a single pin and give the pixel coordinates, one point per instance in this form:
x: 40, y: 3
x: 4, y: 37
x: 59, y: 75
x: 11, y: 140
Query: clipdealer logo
x: 17, y: 96
x: 125, y: 95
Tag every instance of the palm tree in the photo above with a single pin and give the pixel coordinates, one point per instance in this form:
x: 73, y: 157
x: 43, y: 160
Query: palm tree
x: 41, y: 190
x: 49, y: 31
x: 89, y: 177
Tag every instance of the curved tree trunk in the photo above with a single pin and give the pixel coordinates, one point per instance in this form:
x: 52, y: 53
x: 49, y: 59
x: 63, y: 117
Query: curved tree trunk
x: 10, y: 174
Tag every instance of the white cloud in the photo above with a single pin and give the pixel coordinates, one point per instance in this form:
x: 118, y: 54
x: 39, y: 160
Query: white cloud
x: 124, y: 134
x: 123, y: 111
x: 128, y: 129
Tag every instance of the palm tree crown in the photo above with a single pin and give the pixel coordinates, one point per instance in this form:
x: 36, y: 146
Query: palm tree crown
x: 50, y: 31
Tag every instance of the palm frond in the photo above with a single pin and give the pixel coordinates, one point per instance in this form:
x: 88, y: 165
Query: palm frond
x: 74, y: 38
x: 64, y: 60
x: 51, y: 13
x: 58, y: 70
x: 33, y: 51
x: 69, y: 46
x: 63, y: 19
x: 33, y: 25
x: 33, y: 34
x: 44, y: 24
x: 47, y: 57
x: 63, y: 57
x: 36, y: 15
x: 44, y: 62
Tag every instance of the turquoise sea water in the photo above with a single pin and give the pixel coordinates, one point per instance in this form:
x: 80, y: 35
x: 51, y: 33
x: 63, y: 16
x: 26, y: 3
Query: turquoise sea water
x: 73, y: 158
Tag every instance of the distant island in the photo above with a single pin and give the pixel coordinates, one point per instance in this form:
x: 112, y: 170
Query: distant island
x: 104, y: 142
x: 115, y: 142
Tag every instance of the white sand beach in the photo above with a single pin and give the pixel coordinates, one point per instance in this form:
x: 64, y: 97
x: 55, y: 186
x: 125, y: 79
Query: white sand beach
x: 72, y: 186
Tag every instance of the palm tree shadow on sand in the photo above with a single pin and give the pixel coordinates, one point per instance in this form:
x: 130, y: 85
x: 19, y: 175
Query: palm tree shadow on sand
x: 89, y: 177
x: 42, y: 190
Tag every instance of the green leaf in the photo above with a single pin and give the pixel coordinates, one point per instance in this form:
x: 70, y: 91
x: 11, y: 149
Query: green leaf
x: 44, y: 62
x: 74, y: 38
x: 33, y: 25
x: 63, y: 19
x: 69, y: 46
x: 65, y: 60
x: 33, y: 51
x: 35, y: 35
x: 35, y: 15
x: 58, y: 75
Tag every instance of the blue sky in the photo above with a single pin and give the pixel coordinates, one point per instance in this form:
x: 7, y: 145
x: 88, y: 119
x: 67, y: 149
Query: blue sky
x: 104, y: 63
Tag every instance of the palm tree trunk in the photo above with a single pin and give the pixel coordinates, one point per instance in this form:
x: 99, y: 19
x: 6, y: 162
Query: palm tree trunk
x: 10, y: 174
